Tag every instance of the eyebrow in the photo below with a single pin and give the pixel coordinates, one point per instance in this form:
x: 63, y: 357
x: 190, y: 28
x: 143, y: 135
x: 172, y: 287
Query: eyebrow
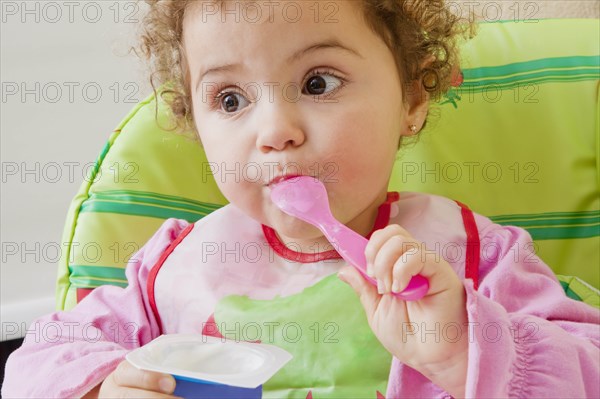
x: 327, y: 44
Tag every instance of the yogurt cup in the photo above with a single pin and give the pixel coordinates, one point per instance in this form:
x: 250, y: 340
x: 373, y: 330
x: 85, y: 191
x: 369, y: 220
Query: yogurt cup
x: 211, y: 367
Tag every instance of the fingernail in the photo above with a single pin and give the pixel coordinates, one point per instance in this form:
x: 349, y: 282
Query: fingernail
x: 342, y: 277
x: 167, y: 384
x: 369, y: 270
x: 395, y: 286
x: 380, y: 286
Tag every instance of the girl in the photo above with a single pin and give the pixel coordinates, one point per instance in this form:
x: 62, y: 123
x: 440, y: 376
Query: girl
x: 327, y: 89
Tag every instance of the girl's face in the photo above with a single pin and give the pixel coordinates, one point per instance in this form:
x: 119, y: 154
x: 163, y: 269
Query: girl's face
x: 296, y: 87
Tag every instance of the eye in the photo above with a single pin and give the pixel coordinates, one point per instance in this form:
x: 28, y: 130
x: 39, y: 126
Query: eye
x: 231, y: 101
x: 322, y: 82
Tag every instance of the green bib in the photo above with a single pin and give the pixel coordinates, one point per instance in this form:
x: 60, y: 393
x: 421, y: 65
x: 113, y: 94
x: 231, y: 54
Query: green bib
x: 336, y: 355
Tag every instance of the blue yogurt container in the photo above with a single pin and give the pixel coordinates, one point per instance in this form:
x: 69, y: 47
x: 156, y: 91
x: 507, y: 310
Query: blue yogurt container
x: 190, y: 388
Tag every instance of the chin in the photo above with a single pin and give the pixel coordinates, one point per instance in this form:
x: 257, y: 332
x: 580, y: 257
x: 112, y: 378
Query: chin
x: 292, y: 227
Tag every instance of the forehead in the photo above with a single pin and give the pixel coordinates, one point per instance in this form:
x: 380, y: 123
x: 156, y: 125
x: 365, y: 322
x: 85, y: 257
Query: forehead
x: 228, y: 26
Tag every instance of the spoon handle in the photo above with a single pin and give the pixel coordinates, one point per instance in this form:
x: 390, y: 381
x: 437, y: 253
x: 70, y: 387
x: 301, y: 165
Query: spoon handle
x: 351, y: 246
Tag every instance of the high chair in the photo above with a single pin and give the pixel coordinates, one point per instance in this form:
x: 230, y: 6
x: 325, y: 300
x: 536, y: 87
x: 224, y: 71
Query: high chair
x: 518, y: 141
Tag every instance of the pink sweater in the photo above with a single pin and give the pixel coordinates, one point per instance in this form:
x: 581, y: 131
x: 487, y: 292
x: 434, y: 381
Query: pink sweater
x: 526, y: 338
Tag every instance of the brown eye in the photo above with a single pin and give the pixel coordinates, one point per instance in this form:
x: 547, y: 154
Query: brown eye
x: 232, y: 102
x: 316, y: 85
x: 322, y: 83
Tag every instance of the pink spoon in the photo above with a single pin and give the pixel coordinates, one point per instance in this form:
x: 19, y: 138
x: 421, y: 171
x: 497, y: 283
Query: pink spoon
x: 305, y: 197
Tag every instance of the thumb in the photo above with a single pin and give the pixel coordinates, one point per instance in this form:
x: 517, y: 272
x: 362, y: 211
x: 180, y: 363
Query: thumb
x: 366, y: 292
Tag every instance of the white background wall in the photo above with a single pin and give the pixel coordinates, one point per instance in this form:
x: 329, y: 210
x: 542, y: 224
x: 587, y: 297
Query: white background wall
x: 66, y: 84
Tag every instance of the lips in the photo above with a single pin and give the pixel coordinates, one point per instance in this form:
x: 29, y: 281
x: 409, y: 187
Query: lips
x: 281, y: 178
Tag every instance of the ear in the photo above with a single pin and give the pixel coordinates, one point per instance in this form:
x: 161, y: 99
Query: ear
x: 417, y: 107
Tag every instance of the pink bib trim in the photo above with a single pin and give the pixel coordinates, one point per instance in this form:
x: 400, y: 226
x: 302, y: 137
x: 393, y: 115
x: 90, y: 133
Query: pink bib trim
x: 156, y: 268
x: 473, y: 244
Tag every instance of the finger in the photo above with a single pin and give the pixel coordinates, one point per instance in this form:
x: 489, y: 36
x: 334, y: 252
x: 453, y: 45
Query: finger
x: 409, y: 264
x: 378, y: 238
x: 386, y: 258
x: 127, y: 375
x: 429, y: 264
x: 367, y: 293
x: 384, y: 262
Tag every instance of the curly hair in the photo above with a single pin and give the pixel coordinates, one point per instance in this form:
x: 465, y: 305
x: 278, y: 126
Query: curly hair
x: 422, y: 35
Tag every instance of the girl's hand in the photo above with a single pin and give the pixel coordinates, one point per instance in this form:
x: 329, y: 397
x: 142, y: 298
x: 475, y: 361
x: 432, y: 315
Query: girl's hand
x: 129, y: 382
x: 430, y: 334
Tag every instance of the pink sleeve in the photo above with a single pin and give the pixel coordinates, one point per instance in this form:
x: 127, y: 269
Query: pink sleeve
x: 66, y: 354
x: 526, y: 337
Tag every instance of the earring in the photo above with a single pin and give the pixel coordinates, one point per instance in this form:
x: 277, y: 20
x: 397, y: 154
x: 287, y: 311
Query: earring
x: 413, y: 128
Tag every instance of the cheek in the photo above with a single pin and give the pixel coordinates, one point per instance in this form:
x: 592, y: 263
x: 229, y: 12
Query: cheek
x: 365, y: 152
x: 223, y: 151
x: 356, y: 176
x: 225, y: 163
x: 367, y: 141
x: 365, y: 174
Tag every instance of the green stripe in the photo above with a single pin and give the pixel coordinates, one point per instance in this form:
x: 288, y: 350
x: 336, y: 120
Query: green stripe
x: 560, y: 233
x: 92, y: 176
x: 545, y: 70
x: 470, y: 89
x: 544, y: 215
x: 107, y: 272
x: 539, y: 64
x: 570, y: 293
x: 204, y: 209
x: 85, y: 276
x: 145, y: 203
x: 535, y: 76
x: 555, y: 225
x: 104, y: 151
x: 151, y: 194
x: 141, y: 210
x: 510, y: 83
x: 93, y: 283
x: 554, y: 222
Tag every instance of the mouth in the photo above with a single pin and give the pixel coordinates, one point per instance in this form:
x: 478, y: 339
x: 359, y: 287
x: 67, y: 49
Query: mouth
x: 279, y: 179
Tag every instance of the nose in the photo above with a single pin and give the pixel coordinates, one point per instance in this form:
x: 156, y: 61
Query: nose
x: 279, y: 126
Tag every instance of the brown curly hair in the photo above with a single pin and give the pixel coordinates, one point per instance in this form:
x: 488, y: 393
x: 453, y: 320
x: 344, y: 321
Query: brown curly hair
x: 422, y: 35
